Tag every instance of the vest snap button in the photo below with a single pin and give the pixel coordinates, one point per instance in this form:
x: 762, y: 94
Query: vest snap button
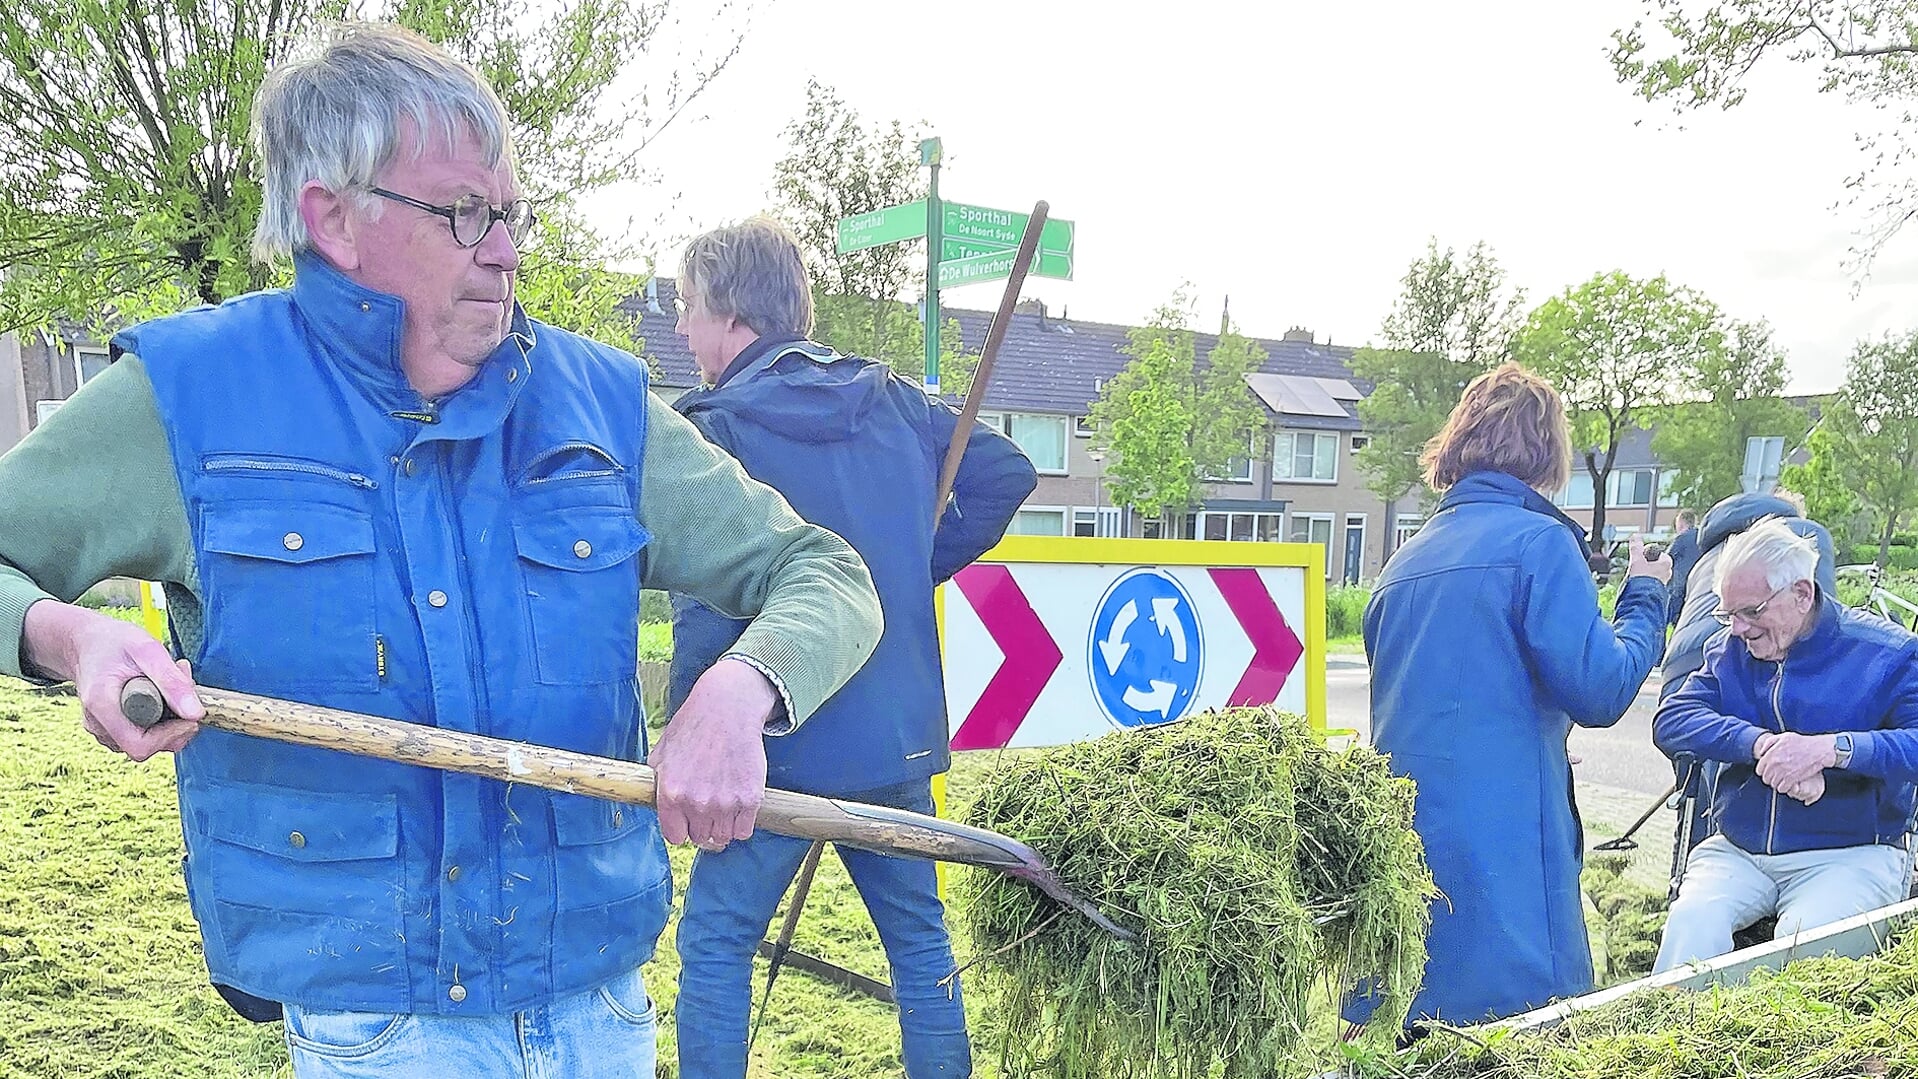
x: 436, y: 597
x: 457, y: 993
x: 296, y: 840
x: 410, y: 466
x: 512, y: 374
x: 366, y: 306
x: 292, y: 541
x: 453, y: 873
x: 583, y: 549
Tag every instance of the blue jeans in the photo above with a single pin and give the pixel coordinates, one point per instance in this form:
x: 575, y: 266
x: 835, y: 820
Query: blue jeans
x: 604, y: 1033
x: 730, y: 903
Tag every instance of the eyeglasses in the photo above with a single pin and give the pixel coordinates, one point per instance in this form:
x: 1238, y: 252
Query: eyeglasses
x: 471, y: 217
x: 1750, y: 614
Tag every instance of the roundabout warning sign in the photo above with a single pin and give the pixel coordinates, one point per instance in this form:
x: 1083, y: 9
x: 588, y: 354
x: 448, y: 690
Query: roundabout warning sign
x: 1051, y: 640
x: 1146, y: 649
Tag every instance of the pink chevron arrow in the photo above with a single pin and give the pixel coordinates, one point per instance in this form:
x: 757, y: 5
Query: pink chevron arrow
x: 1275, y: 648
x: 1031, y: 657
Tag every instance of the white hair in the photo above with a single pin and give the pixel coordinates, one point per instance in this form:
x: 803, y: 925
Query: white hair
x: 334, y: 116
x: 1784, y: 555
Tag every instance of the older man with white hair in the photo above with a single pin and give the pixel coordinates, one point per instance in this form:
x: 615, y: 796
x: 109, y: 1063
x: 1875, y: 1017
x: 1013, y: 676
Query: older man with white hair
x: 1812, y: 709
x: 388, y: 489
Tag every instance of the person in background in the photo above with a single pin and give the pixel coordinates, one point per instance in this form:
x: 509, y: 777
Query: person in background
x: 1683, y: 553
x: 857, y: 449
x: 1486, y: 646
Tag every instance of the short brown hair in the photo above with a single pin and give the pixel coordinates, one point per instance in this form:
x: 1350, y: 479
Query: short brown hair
x: 1509, y: 420
x: 752, y: 271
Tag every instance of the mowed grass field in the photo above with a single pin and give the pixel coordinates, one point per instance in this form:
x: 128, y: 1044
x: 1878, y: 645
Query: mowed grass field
x: 100, y: 967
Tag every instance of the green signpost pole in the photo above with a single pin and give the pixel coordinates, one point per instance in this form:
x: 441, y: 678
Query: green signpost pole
x: 930, y: 152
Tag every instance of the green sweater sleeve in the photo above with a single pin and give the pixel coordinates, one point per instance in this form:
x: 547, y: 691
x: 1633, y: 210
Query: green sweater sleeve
x: 736, y: 545
x: 90, y: 494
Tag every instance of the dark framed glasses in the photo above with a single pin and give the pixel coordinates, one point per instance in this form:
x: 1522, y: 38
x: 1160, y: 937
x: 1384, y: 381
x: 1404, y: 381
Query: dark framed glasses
x: 471, y: 217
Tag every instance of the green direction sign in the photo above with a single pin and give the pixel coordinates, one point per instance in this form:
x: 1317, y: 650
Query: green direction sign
x: 986, y: 227
x: 890, y: 225
x: 994, y: 265
x: 1046, y: 264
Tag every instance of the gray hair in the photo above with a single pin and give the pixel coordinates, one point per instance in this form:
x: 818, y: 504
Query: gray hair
x: 334, y: 116
x: 1784, y: 555
x: 752, y: 271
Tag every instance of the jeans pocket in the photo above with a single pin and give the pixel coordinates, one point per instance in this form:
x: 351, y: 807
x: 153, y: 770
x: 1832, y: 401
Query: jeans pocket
x: 340, y: 1035
x: 626, y: 997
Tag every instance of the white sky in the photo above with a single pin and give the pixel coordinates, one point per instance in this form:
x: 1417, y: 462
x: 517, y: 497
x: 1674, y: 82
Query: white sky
x: 1297, y: 158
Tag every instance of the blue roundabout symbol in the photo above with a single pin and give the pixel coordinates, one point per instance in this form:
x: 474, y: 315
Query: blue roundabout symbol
x: 1145, y: 649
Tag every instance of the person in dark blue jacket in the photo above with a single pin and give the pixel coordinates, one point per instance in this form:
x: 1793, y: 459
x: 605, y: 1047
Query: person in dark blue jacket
x: 1811, y: 711
x: 1683, y: 553
x: 1487, y: 645
x: 857, y: 449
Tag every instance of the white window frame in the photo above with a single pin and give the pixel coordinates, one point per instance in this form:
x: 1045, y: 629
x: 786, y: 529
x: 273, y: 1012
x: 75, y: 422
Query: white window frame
x: 1667, y: 488
x: 1002, y: 422
x: 1563, y: 500
x: 1404, y: 527
x: 1082, y: 426
x: 1290, y: 440
x: 1104, y: 520
x: 43, y: 409
x: 1206, y: 516
x: 79, y: 367
x: 1616, y: 481
x: 1331, y: 530
x: 1065, y: 520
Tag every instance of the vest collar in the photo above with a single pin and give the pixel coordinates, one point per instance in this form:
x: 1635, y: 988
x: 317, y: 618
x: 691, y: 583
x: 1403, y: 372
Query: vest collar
x: 359, y: 330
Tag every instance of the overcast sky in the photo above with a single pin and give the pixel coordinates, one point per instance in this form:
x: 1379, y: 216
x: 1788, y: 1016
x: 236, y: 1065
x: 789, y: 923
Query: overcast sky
x: 1296, y: 158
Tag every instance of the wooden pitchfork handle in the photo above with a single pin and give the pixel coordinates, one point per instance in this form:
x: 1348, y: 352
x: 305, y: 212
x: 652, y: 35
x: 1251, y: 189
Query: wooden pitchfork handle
x: 875, y: 828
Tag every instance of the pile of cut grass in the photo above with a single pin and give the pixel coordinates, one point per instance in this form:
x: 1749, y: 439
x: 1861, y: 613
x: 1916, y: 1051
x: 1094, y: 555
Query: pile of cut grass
x: 1625, y: 920
x: 1824, y: 1017
x: 1257, y: 867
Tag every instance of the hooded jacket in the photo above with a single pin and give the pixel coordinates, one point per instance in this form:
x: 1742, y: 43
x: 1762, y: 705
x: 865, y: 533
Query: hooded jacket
x: 857, y: 449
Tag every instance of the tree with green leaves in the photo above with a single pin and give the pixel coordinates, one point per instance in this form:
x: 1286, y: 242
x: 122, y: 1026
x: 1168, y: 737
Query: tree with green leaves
x: 1703, y: 54
x: 1730, y: 394
x: 1453, y: 321
x: 1616, y: 348
x: 837, y: 166
x: 1829, y: 497
x: 1867, y: 441
x: 1168, y: 421
x: 128, y: 186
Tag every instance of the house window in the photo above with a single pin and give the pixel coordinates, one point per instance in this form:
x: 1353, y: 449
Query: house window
x: 1306, y: 456
x: 1404, y: 527
x: 1042, y: 438
x: 1103, y: 521
x: 1082, y: 427
x: 1181, y: 527
x: 43, y: 409
x: 1631, y: 488
x: 1668, y: 488
x: 1577, y: 494
x: 88, y: 361
x: 1038, y: 522
x: 1239, y: 469
x: 1359, y: 442
x: 1242, y: 527
x: 1313, y: 528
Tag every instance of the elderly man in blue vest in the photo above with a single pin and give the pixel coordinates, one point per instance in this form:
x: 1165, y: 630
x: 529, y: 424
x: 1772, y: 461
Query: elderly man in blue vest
x: 857, y: 449
x: 387, y: 489
x: 1811, y: 709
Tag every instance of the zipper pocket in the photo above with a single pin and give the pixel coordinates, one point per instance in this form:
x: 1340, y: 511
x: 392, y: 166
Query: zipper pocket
x: 264, y: 465
x: 527, y: 476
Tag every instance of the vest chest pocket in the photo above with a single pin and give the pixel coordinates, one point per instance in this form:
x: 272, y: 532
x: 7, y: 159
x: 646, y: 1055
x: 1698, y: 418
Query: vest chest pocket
x: 290, y: 594
x: 582, y: 592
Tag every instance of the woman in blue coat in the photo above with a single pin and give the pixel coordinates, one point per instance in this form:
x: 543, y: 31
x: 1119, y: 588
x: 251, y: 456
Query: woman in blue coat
x: 1486, y: 645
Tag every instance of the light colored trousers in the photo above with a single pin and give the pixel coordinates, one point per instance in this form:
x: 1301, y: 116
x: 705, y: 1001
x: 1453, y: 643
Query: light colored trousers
x: 604, y: 1033
x: 1726, y: 889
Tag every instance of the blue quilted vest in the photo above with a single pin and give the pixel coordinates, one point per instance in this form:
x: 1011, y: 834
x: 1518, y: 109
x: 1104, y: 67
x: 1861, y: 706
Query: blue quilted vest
x: 472, y: 564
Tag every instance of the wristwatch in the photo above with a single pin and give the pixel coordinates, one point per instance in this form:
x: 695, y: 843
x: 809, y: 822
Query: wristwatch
x: 1841, y: 743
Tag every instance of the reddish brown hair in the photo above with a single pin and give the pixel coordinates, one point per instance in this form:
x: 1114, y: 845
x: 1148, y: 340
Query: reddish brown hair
x: 1509, y: 420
